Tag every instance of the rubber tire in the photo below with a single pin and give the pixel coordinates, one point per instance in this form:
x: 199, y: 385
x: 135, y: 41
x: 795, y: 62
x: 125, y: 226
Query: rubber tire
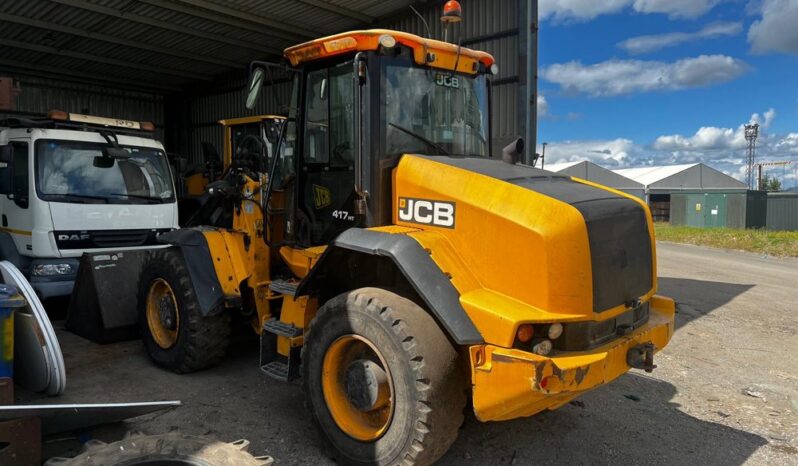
x: 202, y: 341
x: 148, y: 449
x: 429, y: 383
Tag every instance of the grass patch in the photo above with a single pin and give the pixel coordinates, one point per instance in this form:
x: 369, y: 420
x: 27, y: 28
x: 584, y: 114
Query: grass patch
x: 773, y: 243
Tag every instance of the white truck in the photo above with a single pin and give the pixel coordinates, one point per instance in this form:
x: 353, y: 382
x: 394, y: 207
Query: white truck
x: 75, y: 183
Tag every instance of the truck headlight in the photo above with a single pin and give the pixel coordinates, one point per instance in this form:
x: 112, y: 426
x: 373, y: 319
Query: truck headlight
x: 49, y: 270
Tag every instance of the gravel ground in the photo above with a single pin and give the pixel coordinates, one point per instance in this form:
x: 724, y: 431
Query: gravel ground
x: 725, y: 392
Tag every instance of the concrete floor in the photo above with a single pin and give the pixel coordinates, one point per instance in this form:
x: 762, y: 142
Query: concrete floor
x: 725, y: 392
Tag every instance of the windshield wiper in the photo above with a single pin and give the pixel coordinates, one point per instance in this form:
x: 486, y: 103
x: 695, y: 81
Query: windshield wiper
x: 83, y: 197
x: 421, y: 138
x: 139, y: 196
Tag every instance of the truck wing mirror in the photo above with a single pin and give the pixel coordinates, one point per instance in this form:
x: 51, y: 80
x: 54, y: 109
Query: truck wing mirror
x: 255, y: 85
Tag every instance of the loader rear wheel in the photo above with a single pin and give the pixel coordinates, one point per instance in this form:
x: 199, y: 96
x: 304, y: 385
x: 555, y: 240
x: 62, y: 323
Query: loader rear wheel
x: 175, y: 333
x: 382, y: 381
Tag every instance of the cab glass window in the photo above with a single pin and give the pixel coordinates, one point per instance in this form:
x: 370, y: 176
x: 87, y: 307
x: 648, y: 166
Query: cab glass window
x: 20, y: 174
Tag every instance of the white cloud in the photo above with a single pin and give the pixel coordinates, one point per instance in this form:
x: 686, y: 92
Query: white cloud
x: 583, y: 10
x: 788, y: 144
x: 675, y: 8
x: 769, y: 116
x: 714, y: 138
x: 720, y: 148
x: 615, y: 153
x: 776, y: 31
x: 579, y: 10
x: 652, y: 42
x: 617, y: 77
x: 543, y: 106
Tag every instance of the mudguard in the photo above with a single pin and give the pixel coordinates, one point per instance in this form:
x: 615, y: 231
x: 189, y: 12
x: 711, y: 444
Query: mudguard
x: 199, y: 263
x: 414, y: 263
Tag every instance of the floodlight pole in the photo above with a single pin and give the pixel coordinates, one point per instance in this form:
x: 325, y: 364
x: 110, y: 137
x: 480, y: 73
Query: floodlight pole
x: 751, y: 134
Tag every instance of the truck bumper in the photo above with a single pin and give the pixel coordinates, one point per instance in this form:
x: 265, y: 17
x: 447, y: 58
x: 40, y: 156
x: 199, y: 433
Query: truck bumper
x: 510, y: 383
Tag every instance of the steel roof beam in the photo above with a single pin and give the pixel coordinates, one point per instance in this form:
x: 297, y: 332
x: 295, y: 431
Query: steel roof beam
x: 230, y: 21
x: 116, y: 40
x: 339, y: 10
x: 99, y: 59
x: 84, y: 5
x: 297, y: 31
x: 110, y: 81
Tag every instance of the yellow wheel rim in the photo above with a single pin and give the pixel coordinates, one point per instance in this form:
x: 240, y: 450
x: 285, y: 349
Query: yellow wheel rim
x: 357, y: 388
x: 163, y: 317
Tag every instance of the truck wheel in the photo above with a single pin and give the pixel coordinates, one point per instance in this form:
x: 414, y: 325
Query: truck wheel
x: 166, y: 449
x: 382, y: 381
x: 175, y: 333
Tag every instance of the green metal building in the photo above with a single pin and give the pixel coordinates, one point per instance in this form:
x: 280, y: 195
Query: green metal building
x: 747, y: 209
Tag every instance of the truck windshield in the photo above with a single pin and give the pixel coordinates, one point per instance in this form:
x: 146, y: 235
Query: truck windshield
x: 433, y: 112
x: 75, y: 171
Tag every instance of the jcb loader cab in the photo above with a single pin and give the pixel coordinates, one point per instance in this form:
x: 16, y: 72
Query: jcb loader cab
x: 387, y: 259
x: 244, y: 138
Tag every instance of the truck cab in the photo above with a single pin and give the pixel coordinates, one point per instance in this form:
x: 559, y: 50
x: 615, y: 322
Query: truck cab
x: 74, y: 183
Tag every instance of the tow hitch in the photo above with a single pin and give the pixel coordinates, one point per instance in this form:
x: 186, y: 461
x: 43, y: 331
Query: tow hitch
x: 641, y: 357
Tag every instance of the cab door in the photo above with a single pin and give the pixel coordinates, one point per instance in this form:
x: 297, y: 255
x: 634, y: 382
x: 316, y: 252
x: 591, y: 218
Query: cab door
x: 325, y: 192
x: 17, y: 218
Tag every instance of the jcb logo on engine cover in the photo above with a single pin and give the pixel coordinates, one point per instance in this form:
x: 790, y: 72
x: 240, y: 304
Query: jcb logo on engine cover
x: 427, y: 212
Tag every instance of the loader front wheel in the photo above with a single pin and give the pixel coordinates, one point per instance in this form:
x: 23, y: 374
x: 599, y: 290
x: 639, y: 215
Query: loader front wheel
x: 175, y: 333
x: 382, y: 381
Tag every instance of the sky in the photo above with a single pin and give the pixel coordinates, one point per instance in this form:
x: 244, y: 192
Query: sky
x: 628, y: 83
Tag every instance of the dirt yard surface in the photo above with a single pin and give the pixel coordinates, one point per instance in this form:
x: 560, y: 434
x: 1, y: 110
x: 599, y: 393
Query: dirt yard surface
x: 725, y: 392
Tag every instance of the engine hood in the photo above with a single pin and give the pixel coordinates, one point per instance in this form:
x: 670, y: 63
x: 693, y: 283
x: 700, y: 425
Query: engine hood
x: 549, y: 241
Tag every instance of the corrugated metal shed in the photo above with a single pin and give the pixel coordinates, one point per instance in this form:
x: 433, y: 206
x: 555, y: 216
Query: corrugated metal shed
x: 694, y: 176
x: 782, y: 211
x: 166, y: 46
x: 182, y: 63
x: 590, y: 171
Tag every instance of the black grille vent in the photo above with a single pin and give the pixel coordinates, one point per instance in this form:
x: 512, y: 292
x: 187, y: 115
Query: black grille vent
x: 96, y: 239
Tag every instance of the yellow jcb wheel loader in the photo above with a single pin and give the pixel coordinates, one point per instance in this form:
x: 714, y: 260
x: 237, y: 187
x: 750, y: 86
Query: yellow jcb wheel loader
x: 246, y: 138
x: 389, y: 261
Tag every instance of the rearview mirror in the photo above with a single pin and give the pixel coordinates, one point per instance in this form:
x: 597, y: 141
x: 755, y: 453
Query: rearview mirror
x: 101, y: 161
x: 255, y: 85
x: 115, y: 153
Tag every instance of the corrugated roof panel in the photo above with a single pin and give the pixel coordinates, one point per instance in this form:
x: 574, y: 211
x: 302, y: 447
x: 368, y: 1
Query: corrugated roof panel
x: 558, y: 167
x: 651, y: 175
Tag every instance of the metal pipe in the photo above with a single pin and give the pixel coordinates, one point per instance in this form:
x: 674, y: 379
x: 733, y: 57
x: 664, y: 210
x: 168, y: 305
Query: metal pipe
x: 358, y: 81
x: 531, y: 104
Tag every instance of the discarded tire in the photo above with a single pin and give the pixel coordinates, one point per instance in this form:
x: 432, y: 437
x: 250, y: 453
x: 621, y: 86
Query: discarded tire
x: 171, y: 449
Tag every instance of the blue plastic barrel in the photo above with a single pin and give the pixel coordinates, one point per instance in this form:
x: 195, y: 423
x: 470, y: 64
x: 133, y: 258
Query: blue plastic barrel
x: 10, y: 300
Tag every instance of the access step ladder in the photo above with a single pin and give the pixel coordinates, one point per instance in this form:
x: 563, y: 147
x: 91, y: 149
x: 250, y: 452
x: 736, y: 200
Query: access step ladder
x: 275, y: 332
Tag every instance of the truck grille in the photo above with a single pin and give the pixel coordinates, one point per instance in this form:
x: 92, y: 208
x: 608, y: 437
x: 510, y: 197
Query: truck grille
x: 96, y: 239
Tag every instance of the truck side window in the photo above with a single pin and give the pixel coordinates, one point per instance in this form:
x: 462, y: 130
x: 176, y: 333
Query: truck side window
x: 20, y: 174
